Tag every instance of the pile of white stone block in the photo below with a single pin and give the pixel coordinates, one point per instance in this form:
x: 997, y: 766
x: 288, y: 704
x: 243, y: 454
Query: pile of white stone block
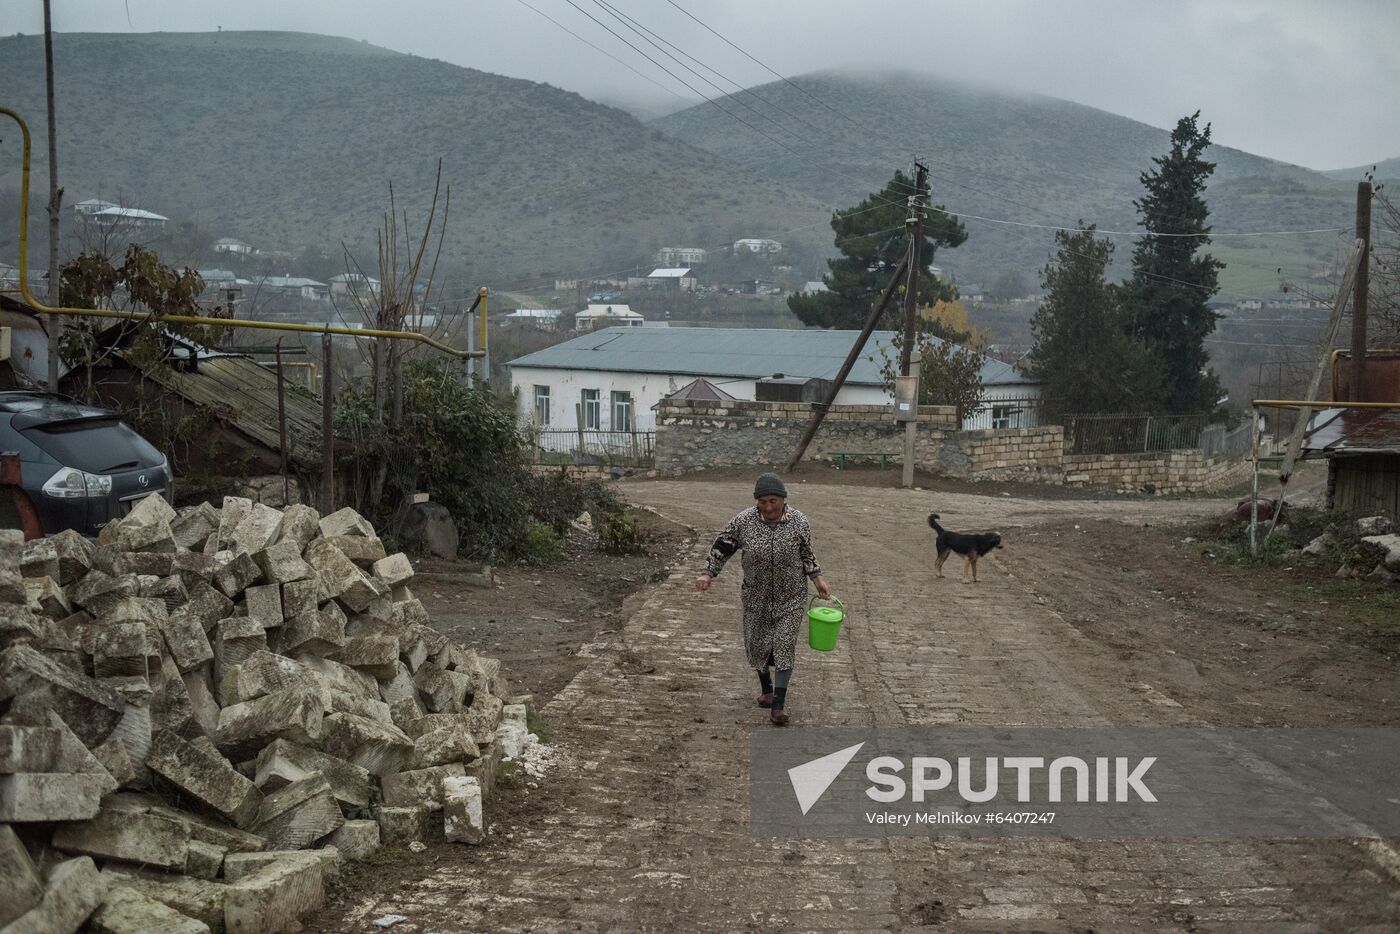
x: 204, y: 712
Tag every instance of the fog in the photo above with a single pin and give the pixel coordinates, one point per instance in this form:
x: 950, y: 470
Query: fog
x: 1304, y: 81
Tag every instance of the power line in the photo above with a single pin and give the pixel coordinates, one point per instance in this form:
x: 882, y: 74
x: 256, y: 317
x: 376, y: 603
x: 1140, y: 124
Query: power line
x: 634, y: 71
x: 741, y: 89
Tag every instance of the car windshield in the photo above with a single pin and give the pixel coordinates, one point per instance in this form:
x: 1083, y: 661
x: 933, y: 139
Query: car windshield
x: 96, y: 445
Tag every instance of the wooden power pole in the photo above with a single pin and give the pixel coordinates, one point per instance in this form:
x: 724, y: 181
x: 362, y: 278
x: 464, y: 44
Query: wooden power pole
x: 55, y: 201
x: 1360, y: 287
x: 911, y: 313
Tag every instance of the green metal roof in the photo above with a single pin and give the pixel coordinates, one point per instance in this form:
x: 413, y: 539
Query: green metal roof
x: 746, y: 353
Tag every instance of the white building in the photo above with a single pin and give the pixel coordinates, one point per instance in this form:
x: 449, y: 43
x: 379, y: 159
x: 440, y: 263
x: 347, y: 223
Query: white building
x: 113, y: 216
x: 681, y: 256
x: 543, y: 318
x: 91, y: 206
x: 349, y: 284
x: 230, y: 245
x: 616, y: 375
x: 308, y: 289
x: 602, y: 316
x: 756, y: 245
x: 678, y: 277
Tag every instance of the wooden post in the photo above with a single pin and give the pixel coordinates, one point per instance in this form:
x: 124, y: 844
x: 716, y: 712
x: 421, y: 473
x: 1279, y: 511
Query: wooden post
x: 55, y: 201
x: 1295, y: 441
x: 578, y: 421
x: 282, y: 423
x: 1254, y: 495
x: 1358, y: 301
x: 916, y: 251
x: 876, y: 312
x: 907, y: 478
x: 327, y: 428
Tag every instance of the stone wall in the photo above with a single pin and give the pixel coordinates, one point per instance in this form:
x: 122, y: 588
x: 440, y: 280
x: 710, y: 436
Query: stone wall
x: 1180, y: 471
x: 700, y: 435
x: 693, y: 435
x: 1026, y: 454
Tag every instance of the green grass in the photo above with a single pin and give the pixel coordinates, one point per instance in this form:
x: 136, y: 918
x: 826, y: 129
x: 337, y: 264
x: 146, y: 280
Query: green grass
x: 536, y: 725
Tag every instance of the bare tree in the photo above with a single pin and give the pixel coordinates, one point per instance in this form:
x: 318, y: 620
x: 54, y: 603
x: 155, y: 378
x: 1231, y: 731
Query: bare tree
x: 398, y: 301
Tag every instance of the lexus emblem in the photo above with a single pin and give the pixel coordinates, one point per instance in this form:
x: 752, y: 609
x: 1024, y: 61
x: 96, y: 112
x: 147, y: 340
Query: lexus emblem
x: 143, y: 481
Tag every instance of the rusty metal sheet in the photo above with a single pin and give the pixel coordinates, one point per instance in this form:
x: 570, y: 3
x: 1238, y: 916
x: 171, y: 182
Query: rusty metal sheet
x: 1353, y: 431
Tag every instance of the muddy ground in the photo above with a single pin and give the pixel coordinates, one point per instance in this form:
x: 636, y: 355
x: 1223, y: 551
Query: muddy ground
x: 640, y: 827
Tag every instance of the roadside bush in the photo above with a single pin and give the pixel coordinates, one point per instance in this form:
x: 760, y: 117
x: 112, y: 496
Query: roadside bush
x: 620, y: 533
x: 541, y: 544
x: 459, y: 442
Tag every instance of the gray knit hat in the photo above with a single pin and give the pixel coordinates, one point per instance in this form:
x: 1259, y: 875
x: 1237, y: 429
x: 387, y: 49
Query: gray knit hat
x: 769, y: 484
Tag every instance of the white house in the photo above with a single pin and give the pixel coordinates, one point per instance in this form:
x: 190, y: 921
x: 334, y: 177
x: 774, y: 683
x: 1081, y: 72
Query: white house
x: 354, y: 283
x: 602, y: 316
x: 677, y: 277
x: 616, y: 375
x: 91, y: 206
x: 114, y: 216
x: 681, y: 256
x: 308, y: 289
x: 757, y: 245
x: 230, y: 245
x: 533, y: 317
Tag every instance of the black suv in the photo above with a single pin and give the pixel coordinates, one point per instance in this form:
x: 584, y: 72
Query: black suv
x: 82, y: 466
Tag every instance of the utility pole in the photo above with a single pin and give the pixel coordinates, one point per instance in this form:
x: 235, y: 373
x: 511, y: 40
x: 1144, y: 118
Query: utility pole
x: 915, y: 223
x: 55, y: 200
x: 1358, y: 301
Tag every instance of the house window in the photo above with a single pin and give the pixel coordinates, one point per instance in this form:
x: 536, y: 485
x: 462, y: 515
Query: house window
x: 592, y: 410
x: 542, y: 406
x: 622, y: 411
x: 1001, y: 416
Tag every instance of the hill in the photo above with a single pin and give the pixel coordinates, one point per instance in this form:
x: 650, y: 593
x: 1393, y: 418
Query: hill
x: 288, y: 140
x: 1386, y: 168
x: 1026, y: 158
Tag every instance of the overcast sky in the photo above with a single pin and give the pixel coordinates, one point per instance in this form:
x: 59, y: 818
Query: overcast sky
x: 1306, y: 81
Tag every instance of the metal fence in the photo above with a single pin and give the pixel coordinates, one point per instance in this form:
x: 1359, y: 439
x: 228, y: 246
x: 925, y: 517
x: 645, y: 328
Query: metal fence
x: 593, y: 447
x: 1025, y: 412
x: 1128, y: 434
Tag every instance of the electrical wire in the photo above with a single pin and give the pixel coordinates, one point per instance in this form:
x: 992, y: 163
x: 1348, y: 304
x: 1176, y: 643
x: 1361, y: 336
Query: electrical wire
x: 599, y: 48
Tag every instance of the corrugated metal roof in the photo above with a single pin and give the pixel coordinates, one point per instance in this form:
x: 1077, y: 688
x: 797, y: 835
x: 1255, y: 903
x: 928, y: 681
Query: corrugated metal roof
x: 670, y: 272
x: 1353, y: 431
x: 243, y: 395
x: 750, y: 353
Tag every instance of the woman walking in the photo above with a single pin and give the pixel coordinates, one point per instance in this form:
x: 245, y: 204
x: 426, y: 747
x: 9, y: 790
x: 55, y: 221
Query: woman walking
x: 778, y: 561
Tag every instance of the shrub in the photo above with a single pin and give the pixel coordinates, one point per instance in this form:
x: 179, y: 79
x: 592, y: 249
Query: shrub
x: 460, y: 443
x: 541, y: 544
x: 620, y: 534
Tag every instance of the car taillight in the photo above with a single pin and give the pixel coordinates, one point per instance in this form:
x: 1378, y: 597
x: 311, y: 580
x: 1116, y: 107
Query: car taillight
x: 70, y: 483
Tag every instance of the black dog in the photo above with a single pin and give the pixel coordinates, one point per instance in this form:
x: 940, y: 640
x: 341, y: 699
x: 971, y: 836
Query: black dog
x: 970, y: 546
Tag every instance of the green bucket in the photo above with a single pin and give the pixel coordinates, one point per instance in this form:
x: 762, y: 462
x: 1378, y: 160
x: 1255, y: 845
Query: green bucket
x: 824, y: 624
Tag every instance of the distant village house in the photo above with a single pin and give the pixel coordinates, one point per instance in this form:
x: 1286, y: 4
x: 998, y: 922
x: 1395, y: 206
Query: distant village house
x: 616, y: 376
x: 603, y: 316
x: 681, y: 256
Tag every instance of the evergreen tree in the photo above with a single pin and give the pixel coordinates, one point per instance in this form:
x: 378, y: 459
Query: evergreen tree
x: 1084, y: 355
x: 1173, y: 277
x: 872, y: 241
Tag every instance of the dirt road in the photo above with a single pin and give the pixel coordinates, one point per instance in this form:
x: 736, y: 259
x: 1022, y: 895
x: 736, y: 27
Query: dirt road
x: 1095, y: 614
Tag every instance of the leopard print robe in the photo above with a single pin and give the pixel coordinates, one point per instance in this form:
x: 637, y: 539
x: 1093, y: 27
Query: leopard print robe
x: 778, y: 562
